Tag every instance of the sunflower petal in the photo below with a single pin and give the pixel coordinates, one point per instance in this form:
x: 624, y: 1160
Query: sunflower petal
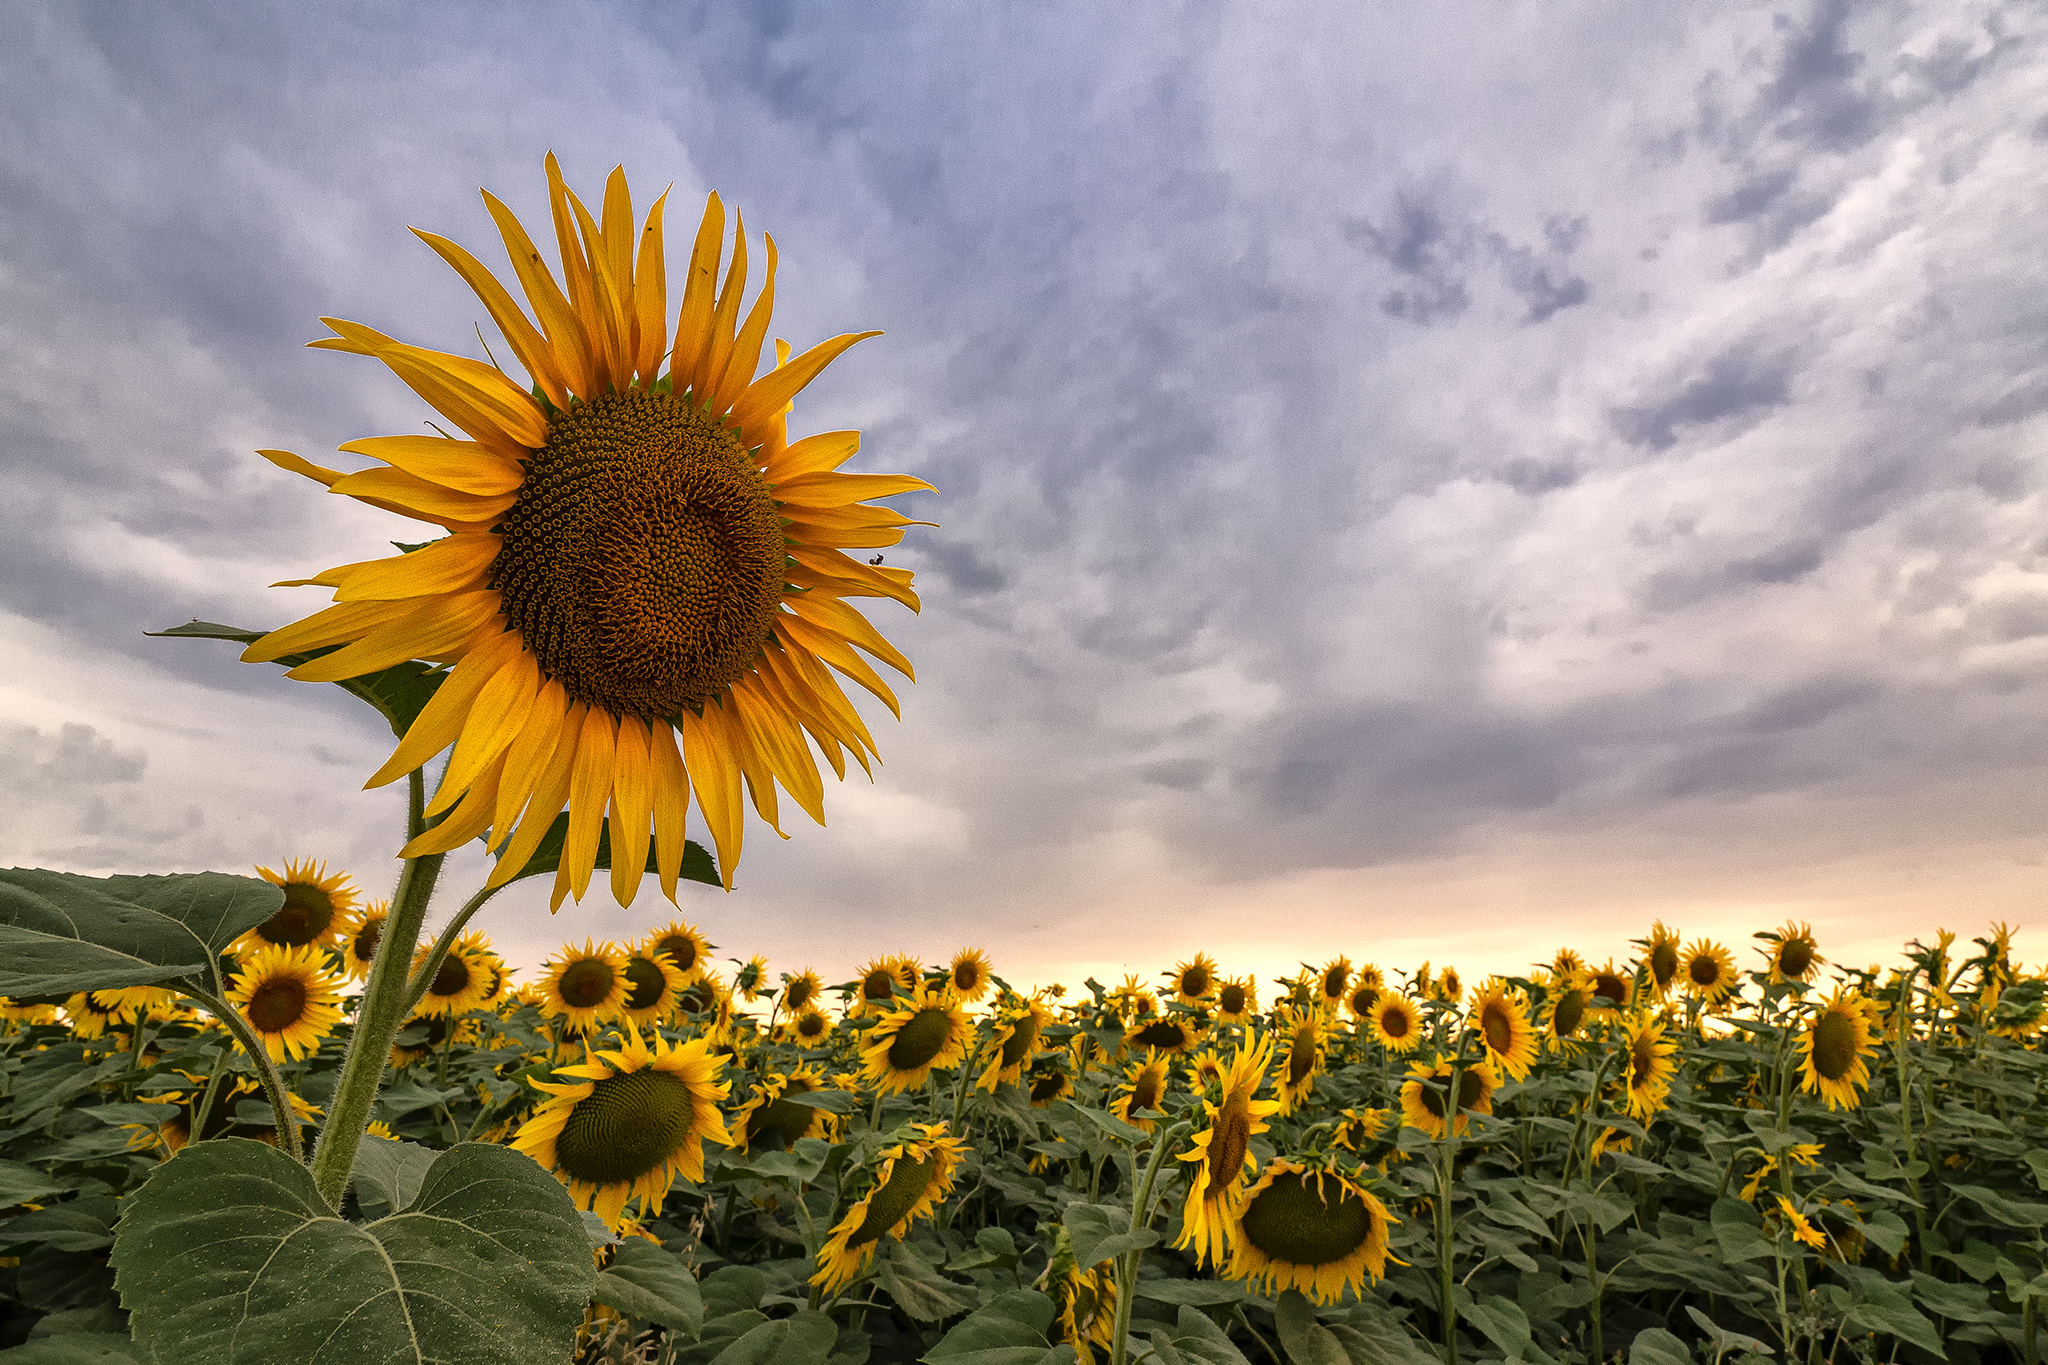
x: 522, y: 336
x: 439, y: 723
x: 834, y: 650
x: 334, y: 625
x: 846, y: 577
x: 693, y: 323
x: 435, y: 628
x: 838, y: 490
x: 465, y: 466
x: 527, y: 758
x: 671, y: 805
x: 471, y: 394
x: 715, y: 774
x: 548, y: 795
x: 557, y: 317
x: 632, y: 800
x: 765, y: 396
x: 851, y: 626
x: 746, y: 349
x: 494, y: 721
x: 724, y: 317
x: 612, y: 323
x: 454, y: 564
x: 589, y: 792
x: 468, y: 820
x: 781, y: 746
x: 398, y: 491
x: 284, y: 459
x: 819, y: 454
x: 650, y: 299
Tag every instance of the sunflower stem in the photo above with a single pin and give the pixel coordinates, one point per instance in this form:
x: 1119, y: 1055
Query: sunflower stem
x: 416, y: 989
x: 204, y: 1110
x: 1141, y: 1217
x: 273, y: 1084
x: 377, y: 1021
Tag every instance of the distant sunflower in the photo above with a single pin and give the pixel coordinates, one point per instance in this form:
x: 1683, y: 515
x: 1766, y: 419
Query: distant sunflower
x: 1650, y: 1068
x: 1237, y: 1000
x: 1222, y: 1153
x: 751, y: 980
x: 1017, y: 1037
x: 1449, y: 988
x: 1396, y: 1024
x: 1194, y: 981
x: 801, y: 991
x: 705, y: 998
x: 1500, y: 1018
x: 290, y: 997
x: 1613, y: 990
x: 1308, y: 1228
x: 461, y: 981
x: 1834, y: 1046
x: 876, y: 987
x: 1794, y: 954
x: 1084, y: 1307
x: 630, y: 552
x: 1661, y: 954
x: 929, y: 1033
x: 315, y: 906
x: 908, y: 971
x: 1171, y: 1033
x: 1049, y: 1081
x: 1302, y: 1034
x: 685, y: 947
x: 1567, y: 963
x: 1424, y: 1092
x: 771, y: 1120
x: 437, y: 1032
x: 361, y: 932
x: 810, y: 1027
x: 90, y: 1019
x: 32, y: 1012
x: 1144, y: 1088
x: 1708, y: 972
x: 1335, y: 980
x: 1365, y: 992
x: 1567, y: 1007
x: 585, y: 988
x: 914, y: 1177
x: 1365, y: 1131
x: 1799, y: 1227
x: 634, y: 1119
x: 969, y: 974
x: 652, y: 985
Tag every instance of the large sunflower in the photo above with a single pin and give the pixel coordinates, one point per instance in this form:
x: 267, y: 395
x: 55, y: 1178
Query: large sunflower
x: 642, y: 592
x: 635, y: 1118
x: 1017, y: 1038
x: 1223, y: 1153
x: 929, y: 1033
x: 316, y: 904
x: 1500, y: 1018
x: 1423, y: 1094
x: 1834, y: 1047
x: 585, y: 987
x: 1308, y: 1228
x: 1396, y: 1024
x: 1650, y: 1068
x: 290, y: 997
x: 1708, y: 972
x: 914, y: 1176
x: 1084, y: 1306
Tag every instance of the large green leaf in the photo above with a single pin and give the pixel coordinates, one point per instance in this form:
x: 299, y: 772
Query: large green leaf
x: 78, y: 1348
x: 547, y: 855
x: 399, y: 692
x: 60, y: 932
x: 228, y: 1256
x: 645, y: 1282
x: 389, y: 1173
x: 1305, y: 1340
x: 1101, y: 1231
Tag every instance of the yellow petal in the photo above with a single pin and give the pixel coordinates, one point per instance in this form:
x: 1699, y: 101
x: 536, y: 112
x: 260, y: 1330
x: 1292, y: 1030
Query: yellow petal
x: 526, y: 760
x: 435, y: 627
x: 465, y: 466
x: 835, y: 615
x: 548, y: 795
x: 650, y: 299
x: 781, y: 746
x: 495, y: 718
x: 693, y: 323
x: 632, y: 799
x: 439, y: 723
x: 284, y: 459
x: 522, y: 336
x: 834, y: 650
x: 746, y: 349
x: 335, y: 625
x: 766, y: 396
x: 557, y: 317
x: 455, y: 564
x: 724, y: 316
x: 715, y: 776
x: 589, y: 793
x: 611, y: 324
x: 839, y: 490
x: 671, y: 805
x: 422, y: 501
x: 820, y: 454
x: 845, y: 577
x: 466, y: 822
x: 484, y: 403
x: 576, y: 274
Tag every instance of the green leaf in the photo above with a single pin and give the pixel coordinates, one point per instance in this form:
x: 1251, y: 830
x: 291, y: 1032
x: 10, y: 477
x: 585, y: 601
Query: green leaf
x: 831, y: 1101
x: 643, y: 1281
x: 1724, y: 1340
x: 2014, y: 1213
x: 79, y: 1348
x: 78, y: 1225
x: 60, y: 932
x: 24, y: 1184
x: 1115, y: 1127
x: 1740, y: 1232
x: 1100, y: 1231
x: 805, y: 1339
x: 229, y: 1242
x: 698, y: 865
x: 1201, y: 1342
x: 921, y: 1292
x: 399, y: 692
x: 1503, y: 1323
x: 1305, y: 1340
x: 1192, y: 1293
x: 1655, y: 1346
x: 388, y: 1172
x: 1013, y: 1322
x: 2037, y: 1162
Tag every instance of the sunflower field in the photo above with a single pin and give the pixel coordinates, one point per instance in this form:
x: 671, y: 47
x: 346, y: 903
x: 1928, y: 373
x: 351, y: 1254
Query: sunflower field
x: 1668, y: 1159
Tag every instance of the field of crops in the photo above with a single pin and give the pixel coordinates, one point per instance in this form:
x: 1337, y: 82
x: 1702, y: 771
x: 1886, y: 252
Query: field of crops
x: 1706, y: 1152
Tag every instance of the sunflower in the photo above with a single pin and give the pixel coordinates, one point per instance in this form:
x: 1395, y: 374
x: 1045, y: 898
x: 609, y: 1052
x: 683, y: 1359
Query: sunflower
x: 915, y: 1175
x: 1707, y: 971
x: 32, y: 1012
x: 1335, y: 980
x: 1834, y: 1046
x: 1794, y: 954
x: 1567, y: 962
x: 586, y: 988
x: 1365, y: 991
x: 1796, y: 1224
x: 1172, y: 1033
x: 1500, y: 1017
x: 769, y: 1119
x: 633, y: 1119
x: 801, y: 991
x: 810, y: 1027
x: 1049, y: 1082
x: 315, y: 907
x: 1364, y: 1131
x: 908, y: 971
x: 1237, y: 1000
x: 1396, y: 1025
x: 1308, y: 1228
x: 652, y: 985
x: 1661, y: 955
x: 1422, y: 1095
x: 1222, y: 1153
x: 1613, y: 990
x: 1302, y: 1034
x: 89, y: 1019
x: 929, y: 1033
x: 1567, y: 1007
x: 1194, y: 981
x: 1132, y: 1002
x: 751, y: 980
x: 1084, y: 1306
x: 684, y: 945
x: 497, y: 976
x: 130, y: 1003
x: 439, y: 1031
x: 1650, y: 1067
x: 1448, y: 987
x: 876, y: 987
x: 631, y: 553
x: 707, y: 995
x: 969, y: 974
x: 1144, y: 1088
x: 290, y: 997
x: 1016, y: 1039
x: 461, y: 981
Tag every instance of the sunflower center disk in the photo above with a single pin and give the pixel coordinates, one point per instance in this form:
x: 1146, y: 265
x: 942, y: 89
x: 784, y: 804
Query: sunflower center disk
x: 1294, y: 1224
x: 452, y: 978
x: 780, y: 1124
x: 1023, y: 1037
x: 586, y: 984
x: 1301, y: 1057
x: 643, y: 560
x: 1834, y: 1045
x: 1500, y: 1033
x: 920, y: 1040
x: 1231, y: 1140
x: 1164, y: 1033
x: 907, y: 1182
x: 644, y: 983
x: 1795, y: 958
x: 628, y: 1126
x: 367, y: 940
x: 276, y: 1005
x: 1571, y: 1007
x: 305, y: 915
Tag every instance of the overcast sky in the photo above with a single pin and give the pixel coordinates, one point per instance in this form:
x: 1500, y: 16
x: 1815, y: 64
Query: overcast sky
x: 1420, y: 481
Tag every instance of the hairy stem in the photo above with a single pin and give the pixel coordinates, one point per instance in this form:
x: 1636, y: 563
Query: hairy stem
x: 273, y: 1084
x: 1127, y: 1264
x: 438, y: 954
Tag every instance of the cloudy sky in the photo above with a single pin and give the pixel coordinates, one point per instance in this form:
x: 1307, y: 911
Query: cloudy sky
x: 1422, y: 481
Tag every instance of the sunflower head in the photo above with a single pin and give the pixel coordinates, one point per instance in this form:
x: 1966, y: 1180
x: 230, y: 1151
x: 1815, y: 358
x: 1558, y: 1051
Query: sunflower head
x: 1648, y: 1057
x: 1143, y: 1091
x: 360, y: 934
x: 809, y: 1027
x: 1308, y: 1228
x: 1794, y: 954
x: 1222, y: 1151
x: 1194, y: 981
x: 1169, y: 1033
x: 1613, y: 988
x: 929, y: 1033
x: 770, y: 1119
x: 462, y: 981
x: 1335, y: 980
x: 1237, y: 1000
x: 802, y: 991
x: 1302, y: 1034
x: 316, y: 906
x: 1427, y: 1088
x: 684, y: 945
x: 1662, y: 955
x: 1500, y: 1019
x: 585, y: 987
x: 1706, y: 970
x: 290, y: 997
x: 751, y: 980
x: 915, y: 1176
x: 1363, y: 995
x: 1396, y: 1023
x: 1836, y: 1045
x: 1018, y: 1037
x: 876, y: 987
x: 652, y: 985
x: 1567, y: 1007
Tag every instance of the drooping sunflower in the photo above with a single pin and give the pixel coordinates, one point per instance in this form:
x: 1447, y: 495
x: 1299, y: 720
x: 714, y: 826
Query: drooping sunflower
x: 809, y: 1027
x: 1335, y: 980
x: 1662, y: 956
x: 436, y: 1032
x: 1650, y: 1064
x: 1310, y: 1228
x: 1614, y: 990
x: 1222, y: 1153
x: 1302, y: 1035
x: 1017, y: 1037
x: 770, y: 1120
x: 1448, y: 987
x: 30, y: 1012
x: 915, y: 1175
x: 130, y: 1003
x: 360, y: 934
x: 316, y: 903
x: 1834, y: 1046
x: 1500, y: 1018
x: 291, y: 998
x: 586, y: 987
x: 1237, y: 1000
x: 634, y: 1119
x: 461, y: 981
x: 1428, y: 1084
x: 1144, y: 1089
x: 652, y: 985
x: 1794, y: 953
x: 1365, y: 1131
x: 1132, y: 1002
x: 1170, y: 1033
x: 1396, y: 1024
x: 751, y: 980
x: 635, y: 549
x: 1084, y: 1306
x: 685, y: 947
x: 1708, y: 971
x: 1049, y: 1081
x: 970, y: 974
x: 1194, y: 981
x: 1796, y: 1223
x: 929, y: 1033
x: 801, y: 991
